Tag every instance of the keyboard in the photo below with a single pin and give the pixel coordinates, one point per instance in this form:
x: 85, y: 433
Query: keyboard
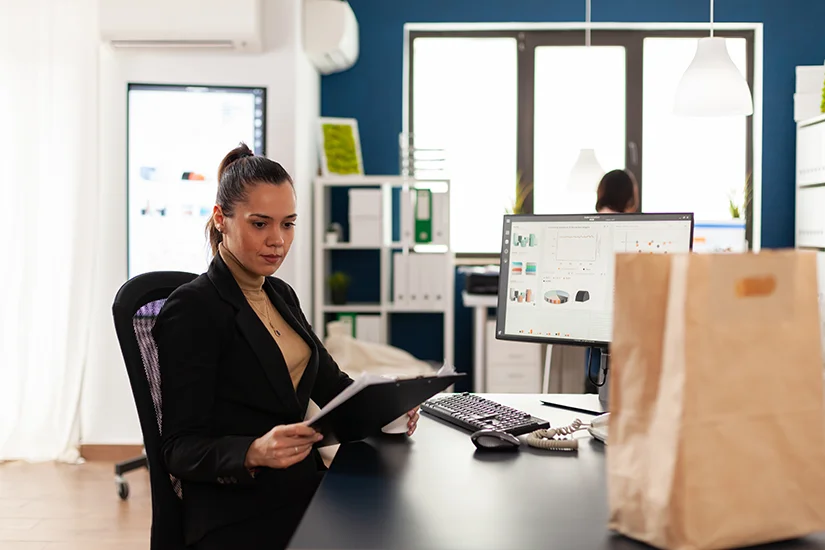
x: 473, y: 413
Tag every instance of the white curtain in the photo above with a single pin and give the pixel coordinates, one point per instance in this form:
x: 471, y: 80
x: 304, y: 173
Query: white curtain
x: 48, y: 196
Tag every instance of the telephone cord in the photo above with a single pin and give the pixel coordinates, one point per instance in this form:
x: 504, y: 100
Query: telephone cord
x: 546, y: 439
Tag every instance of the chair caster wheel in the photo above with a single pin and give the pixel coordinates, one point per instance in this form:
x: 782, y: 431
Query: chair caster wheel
x: 123, y: 490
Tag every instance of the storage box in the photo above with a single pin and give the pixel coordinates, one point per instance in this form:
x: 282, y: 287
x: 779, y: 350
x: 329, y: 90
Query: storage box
x: 810, y: 79
x: 807, y: 106
x: 365, y: 227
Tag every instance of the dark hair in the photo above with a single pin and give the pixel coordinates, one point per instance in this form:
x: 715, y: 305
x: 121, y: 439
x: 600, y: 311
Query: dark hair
x: 618, y: 191
x: 239, y: 170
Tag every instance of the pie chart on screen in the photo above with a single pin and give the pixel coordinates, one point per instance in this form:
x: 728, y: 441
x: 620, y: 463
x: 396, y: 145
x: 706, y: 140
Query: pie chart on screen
x: 556, y: 296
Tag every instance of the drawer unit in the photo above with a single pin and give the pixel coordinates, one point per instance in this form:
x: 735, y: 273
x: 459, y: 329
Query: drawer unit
x: 511, y: 367
x: 504, y: 378
x: 810, y: 217
x: 810, y: 153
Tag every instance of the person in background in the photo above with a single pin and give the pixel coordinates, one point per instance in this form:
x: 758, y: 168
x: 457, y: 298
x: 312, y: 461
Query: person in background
x: 617, y: 193
x: 239, y: 363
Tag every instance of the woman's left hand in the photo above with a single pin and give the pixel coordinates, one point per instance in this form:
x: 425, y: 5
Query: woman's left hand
x: 413, y: 421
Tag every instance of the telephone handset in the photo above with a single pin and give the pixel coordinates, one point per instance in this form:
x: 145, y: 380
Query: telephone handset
x: 556, y: 439
x: 598, y: 427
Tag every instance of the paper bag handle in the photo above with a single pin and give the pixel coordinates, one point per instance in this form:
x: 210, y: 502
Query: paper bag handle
x: 757, y: 286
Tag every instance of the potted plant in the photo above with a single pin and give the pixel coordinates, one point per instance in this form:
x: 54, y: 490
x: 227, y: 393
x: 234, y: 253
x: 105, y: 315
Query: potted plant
x: 338, y: 286
x: 822, y: 105
x: 738, y: 202
x: 334, y: 232
x: 522, y: 192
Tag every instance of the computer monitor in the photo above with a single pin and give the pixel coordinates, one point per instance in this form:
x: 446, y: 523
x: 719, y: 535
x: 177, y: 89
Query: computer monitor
x: 176, y: 137
x: 556, y: 279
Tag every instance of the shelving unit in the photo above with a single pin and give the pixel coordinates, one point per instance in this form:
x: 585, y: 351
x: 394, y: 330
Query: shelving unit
x: 810, y: 199
x: 385, y: 308
x: 810, y: 183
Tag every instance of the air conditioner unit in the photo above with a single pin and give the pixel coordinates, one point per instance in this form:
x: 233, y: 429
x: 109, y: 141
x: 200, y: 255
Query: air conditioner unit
x: 330, y: 35
x: 202, y: 24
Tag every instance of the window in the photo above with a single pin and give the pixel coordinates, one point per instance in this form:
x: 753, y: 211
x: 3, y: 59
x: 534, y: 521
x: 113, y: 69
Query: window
x: 473, y: 91
x: 465, y: 90
x: 690, y: 164
x: 579, y: 103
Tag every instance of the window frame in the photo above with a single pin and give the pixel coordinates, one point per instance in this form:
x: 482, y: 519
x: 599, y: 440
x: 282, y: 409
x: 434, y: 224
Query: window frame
x: 631, y: 37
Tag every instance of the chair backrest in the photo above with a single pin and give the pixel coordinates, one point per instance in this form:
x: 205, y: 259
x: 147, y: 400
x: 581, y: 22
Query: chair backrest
x: 135, y: 310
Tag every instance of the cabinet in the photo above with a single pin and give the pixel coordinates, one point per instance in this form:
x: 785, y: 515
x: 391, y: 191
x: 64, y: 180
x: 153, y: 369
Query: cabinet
x: 810, y: 199
x: 512, y: 367
x: 810, y: 183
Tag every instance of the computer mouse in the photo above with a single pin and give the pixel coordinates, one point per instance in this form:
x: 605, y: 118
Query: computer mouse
x: 494, y: 440
x: 397, y: 426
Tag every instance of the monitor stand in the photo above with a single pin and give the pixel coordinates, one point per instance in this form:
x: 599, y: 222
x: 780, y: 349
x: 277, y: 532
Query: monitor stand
x: 582, y: 402
x: 604, y: 368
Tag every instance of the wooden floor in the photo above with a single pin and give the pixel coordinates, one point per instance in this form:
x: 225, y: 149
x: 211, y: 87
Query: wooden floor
x: 65, y: 507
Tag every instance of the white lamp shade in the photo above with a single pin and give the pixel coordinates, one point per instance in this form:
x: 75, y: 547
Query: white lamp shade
x: 586, y: 172
x: 712, y: 84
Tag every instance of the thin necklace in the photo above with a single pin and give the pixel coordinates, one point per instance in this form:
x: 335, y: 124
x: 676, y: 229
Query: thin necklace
x: 269, y: 319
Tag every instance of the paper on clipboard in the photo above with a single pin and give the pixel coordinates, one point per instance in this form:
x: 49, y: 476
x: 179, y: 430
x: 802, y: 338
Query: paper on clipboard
x: 361, y: 382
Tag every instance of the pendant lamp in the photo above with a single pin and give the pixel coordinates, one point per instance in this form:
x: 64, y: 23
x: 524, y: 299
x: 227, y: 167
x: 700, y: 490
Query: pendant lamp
x: 586, y: 171
x: 712, y: 85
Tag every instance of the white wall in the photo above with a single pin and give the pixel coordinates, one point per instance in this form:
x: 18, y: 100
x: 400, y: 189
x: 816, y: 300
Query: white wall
x: 108, y: 413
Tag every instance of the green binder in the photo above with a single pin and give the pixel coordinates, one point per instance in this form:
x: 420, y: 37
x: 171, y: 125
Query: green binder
x: 423, y: 216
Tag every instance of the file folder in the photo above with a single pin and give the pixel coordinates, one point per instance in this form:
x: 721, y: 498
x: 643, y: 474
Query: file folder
x: 423, y: 216
x: 372, y: 402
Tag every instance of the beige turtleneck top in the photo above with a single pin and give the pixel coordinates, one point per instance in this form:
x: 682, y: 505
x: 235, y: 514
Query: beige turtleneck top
x: 295, y: 350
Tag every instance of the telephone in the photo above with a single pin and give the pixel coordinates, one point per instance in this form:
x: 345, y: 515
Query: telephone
x: 598, y: 427
x: 556, y: 439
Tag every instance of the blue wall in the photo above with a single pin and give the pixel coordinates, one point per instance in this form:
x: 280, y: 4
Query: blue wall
x: 372, y: 90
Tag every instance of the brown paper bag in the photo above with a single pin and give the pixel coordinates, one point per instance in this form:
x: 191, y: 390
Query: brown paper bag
x: 717, y: 425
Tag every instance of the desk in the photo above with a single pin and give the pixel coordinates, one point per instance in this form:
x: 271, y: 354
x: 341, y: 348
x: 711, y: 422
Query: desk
x: 435, y: 492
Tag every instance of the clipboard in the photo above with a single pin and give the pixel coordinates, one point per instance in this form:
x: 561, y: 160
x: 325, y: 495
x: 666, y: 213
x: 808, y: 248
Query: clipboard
x: 373, y: 405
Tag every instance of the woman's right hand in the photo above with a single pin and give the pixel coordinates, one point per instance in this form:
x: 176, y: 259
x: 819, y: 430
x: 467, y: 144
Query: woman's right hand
x: 282, y: 446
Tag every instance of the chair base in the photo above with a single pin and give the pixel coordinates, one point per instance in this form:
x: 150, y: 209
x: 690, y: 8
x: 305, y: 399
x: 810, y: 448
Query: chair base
x: 125, y: 467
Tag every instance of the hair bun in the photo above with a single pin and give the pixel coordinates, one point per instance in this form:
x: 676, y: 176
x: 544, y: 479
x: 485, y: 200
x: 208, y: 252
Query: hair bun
x: 240, y: 152
x: 243, y: 151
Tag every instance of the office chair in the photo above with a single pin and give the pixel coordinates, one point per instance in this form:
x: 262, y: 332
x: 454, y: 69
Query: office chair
x: 135, y: 309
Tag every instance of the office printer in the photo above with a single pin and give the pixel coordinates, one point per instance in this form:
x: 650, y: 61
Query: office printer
x: 480, y: 279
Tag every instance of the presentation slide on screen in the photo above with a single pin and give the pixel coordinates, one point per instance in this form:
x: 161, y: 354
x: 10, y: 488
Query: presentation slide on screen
x: 560, y: 275
x: 176, y: 139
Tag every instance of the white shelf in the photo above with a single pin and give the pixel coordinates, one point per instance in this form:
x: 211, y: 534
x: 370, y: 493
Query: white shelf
x: 359, y: 181
x: 350, y: 246
x: 386, y: 307
x: 381, y: 181
x: 377, y: 308
x: 479, y: 300
x: 353, y: 308
x: 395, y: 245
x: 813, y: 120
x: 407, y: 309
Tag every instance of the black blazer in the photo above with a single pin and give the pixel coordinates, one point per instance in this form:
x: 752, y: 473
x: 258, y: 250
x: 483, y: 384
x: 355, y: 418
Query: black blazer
x: 224, y: 383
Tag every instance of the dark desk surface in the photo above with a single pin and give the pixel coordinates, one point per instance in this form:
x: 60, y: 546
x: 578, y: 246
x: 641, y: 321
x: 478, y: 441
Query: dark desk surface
x: 435, y: 491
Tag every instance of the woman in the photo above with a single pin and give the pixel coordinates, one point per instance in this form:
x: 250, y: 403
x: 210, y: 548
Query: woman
x: 239, y: 364
x: 617, y: 192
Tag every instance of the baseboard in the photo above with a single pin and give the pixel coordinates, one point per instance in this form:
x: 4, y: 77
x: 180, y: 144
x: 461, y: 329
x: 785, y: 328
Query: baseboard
x: 110, y: 453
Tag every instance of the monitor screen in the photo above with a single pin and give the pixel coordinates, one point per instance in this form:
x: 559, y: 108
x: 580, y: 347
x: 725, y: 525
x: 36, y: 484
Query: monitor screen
x: 177, y: 136
x: 556, y: 280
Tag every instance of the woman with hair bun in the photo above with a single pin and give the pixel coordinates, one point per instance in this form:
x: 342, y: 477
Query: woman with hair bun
x: 239, y: 363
